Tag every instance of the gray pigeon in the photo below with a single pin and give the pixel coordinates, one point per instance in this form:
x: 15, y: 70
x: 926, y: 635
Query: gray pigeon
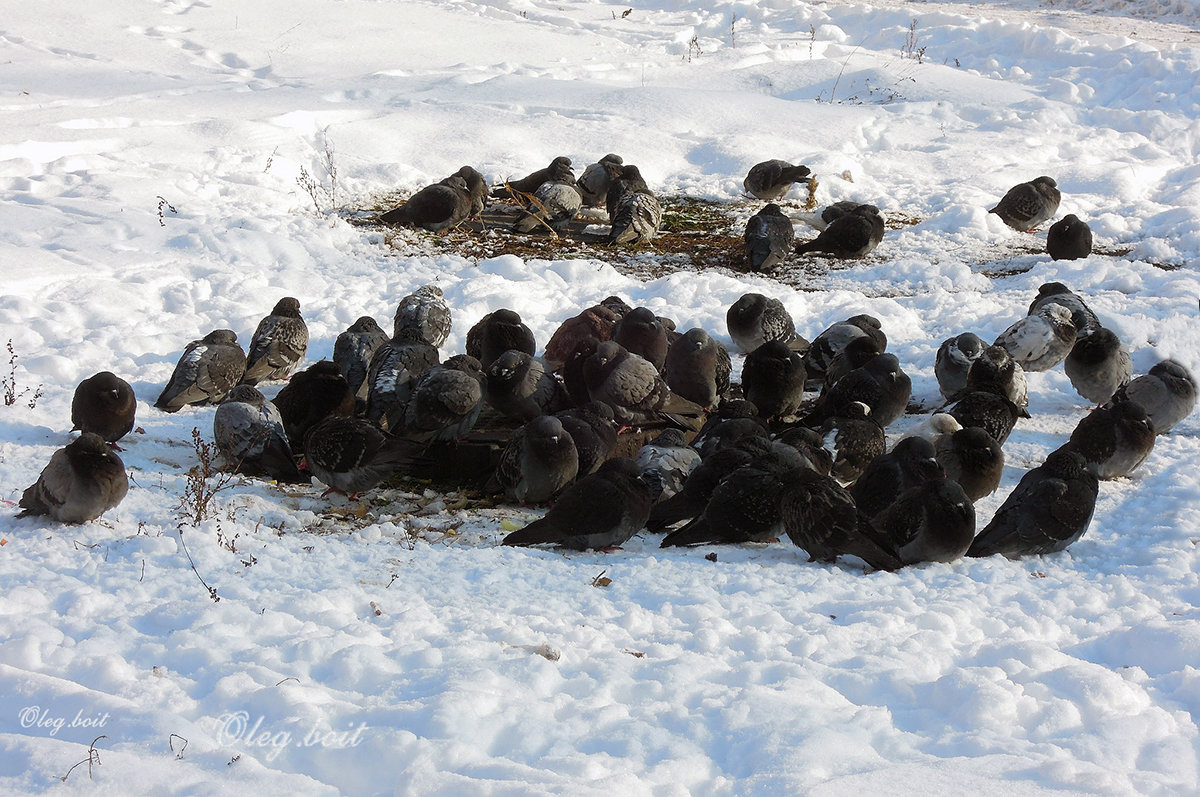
x: 594, y: 431
x: 351, y: 455
x: 995, y: 371
x: 1098, y: 365
x: 643, y: 333
x: 700, y: 484
x: 477, y: 189
x: 1167, y: 393
x: 1050, y: 508
x: 832, y: 341
x: 446, y: 401
x: 555, y: 205
x: 497, y: 332
x: 521, y: 387
x: 425, y: 314
x: 539, y: 460
x: 769, y: 237
x: 1113, y: 441
x: 395, y: 370
x: 600, y: 511
x: 698, y: 368
x: 910, y: 462
x: 973, y: 458
x: 249, y: 433
x: 1027, y: 205
x: 593, y: 183
x: 666, y: 462
x: 953, y: 361
x: 1082, y: 317
x: 1069, y: 239
x: 820, y: 517
x: 992, y: 412
x: 856, y: 440
x: 881, y: 384
x: 1040, y: 341
x: 851, y: 236
x: 278, y: 345
x: 931, y: 522
x: 352, y: 352
x: 773, y: 379
x: 754, y: 319
x: 435, y: 207
x: 634, y: 389
x: 104, y: 404
x: 629, y: 180
x: 636, y: 218
x: 559, y: 169
x: 771, y: 180
x: 83, y: 480
x: 206, y: 371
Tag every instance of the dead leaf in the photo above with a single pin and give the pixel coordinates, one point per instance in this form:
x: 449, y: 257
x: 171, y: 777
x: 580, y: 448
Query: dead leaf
x: 637, y: 654
x: 712, y: 557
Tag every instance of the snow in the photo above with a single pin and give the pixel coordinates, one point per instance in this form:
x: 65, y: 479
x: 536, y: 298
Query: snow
x: 148, y: 169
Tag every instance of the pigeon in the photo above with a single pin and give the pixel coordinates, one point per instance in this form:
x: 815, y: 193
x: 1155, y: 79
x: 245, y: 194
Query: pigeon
x: 973, y: 458
x: 726, y: 432
x: 425, y: 315
x: 572, y: 371
x: 829, y: 213
x: 933, y: 427
x: 595, y: 322
x: 1098, y: 365
x: 311, y: 396
x: 1050, y: 508
x: 773, y: 379
x: 592, y: 428
x: 811, y: 446
x: 1040, y: 341
x: 351, y: 455
x: 744, y: 506
x: 698, y: 368
x: 995, y: 414
x: 1113, y: 441
x: 858, y: 352
x: 851, y: 236
x: 593, y: 183
x: 436, y: 207
x: 555, y: 204
x: 1069, y: 239
x: 105, y: 405
x: 953, y: 361
x: 880, y: 384
x: 1027, y: 205
x: 352, y: 352
x: 519, y: 386
x: 477, y: 189
x: 832, y: 341
x: 1167, y: 393
x: 496, y: 333
x: 636, y: 219
x: 600, y: 511
x: 249, y: 433
x: 931, y: 522
x: 642, y: 333
x: 629, y: 180
x: 754, y: 319
x: 856, y: 440
x: 771, y: 180
x: 278, y: 345
x: 617, y: 305
x: 995, y: 371
x: 207, y: 370
x: 539, y: 460
x: 446, y: 401
x: 559, y: 169
x: 910, y: 463
x: 1082, y: 317
x: 395, y: 369
x: 82, y: 481
x: 634, y: 389
x: 666, y: 462
x: 820, y: 517
x: 699, y: 485
x: 769, y: 237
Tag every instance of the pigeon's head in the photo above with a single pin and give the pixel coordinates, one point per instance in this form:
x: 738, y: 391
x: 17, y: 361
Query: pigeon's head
x: 245, y: 394
x: 1173, y: 370
x: 287, y: 306
x: 221, y: 336
x: 1046, y: 181
x: 366, y: 324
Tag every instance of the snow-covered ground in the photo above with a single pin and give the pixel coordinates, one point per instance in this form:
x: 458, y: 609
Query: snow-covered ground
x: 149, y: 155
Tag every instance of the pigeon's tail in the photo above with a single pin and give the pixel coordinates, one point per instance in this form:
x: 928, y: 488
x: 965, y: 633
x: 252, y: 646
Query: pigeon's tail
x: 759, y: 256
x: 537, y: 532
x: 697, y: 532
x: 527, y: 223
x: 398, y: 215
x: 814, y: 245
x: 995, y: 538
x: 671, y: 511
x: 870, y: 546
x: 795, y: 174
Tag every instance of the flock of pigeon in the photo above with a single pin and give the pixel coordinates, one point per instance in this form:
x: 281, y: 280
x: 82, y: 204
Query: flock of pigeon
x: 797, y: 448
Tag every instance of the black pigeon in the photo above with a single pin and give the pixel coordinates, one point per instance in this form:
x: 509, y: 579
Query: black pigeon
x: 698, y: 368
x: 311, y: 396
x: 880, y: 384
x: 724, y: 433
x: 278, y: 345
x: 953, y: 362
x: 666, y: 462
x: 539, y: 460
x: 973, y: 458
x: 249, y: 433
x: 105, y: 405
x: 643, y: 334
x: 572, y: 371
x: 1050, y: 508
x: 554, y: 205
x: 995, y: 371
x: 856, y: 440
x: 771, y: 180
x: 754, y: 319
x: 595, y: 322
x: 636, y: 218
x: 693, y: 497
x: 853, y: 235
x: 769, y: 237
x: 600, y: 511
x: 628, y: 181
x: 1027, y: 205
x: 931, y: 522
x: 436, y: 207
x: 1113, y: 441
x: 592, y: 428
x: 477, y: 189
x: 773, y: 379
x: 82, y: 481
x: 1098, y: 365
x: 446, y: 401
x: 593, y: 183
x: 498, y: 332
x: 858, y: 352
x: 634, y: 389
x: 423, y: 316
x: 1040, y: 341
x: 351, y: 455
x: 1167, y: 393
x: 206, y: 371
x: 519, y: 386
x: 829, y: 213
x: 353, y: 350
x: 995, y: 414
x: 910, y: 462
x: 820, y: 517
x: 559, y: 169
x: 1069, y: 239
x: 1082, y: 317
x: 395, y: 369
x: 811, y: 446
x: 832, y: 341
